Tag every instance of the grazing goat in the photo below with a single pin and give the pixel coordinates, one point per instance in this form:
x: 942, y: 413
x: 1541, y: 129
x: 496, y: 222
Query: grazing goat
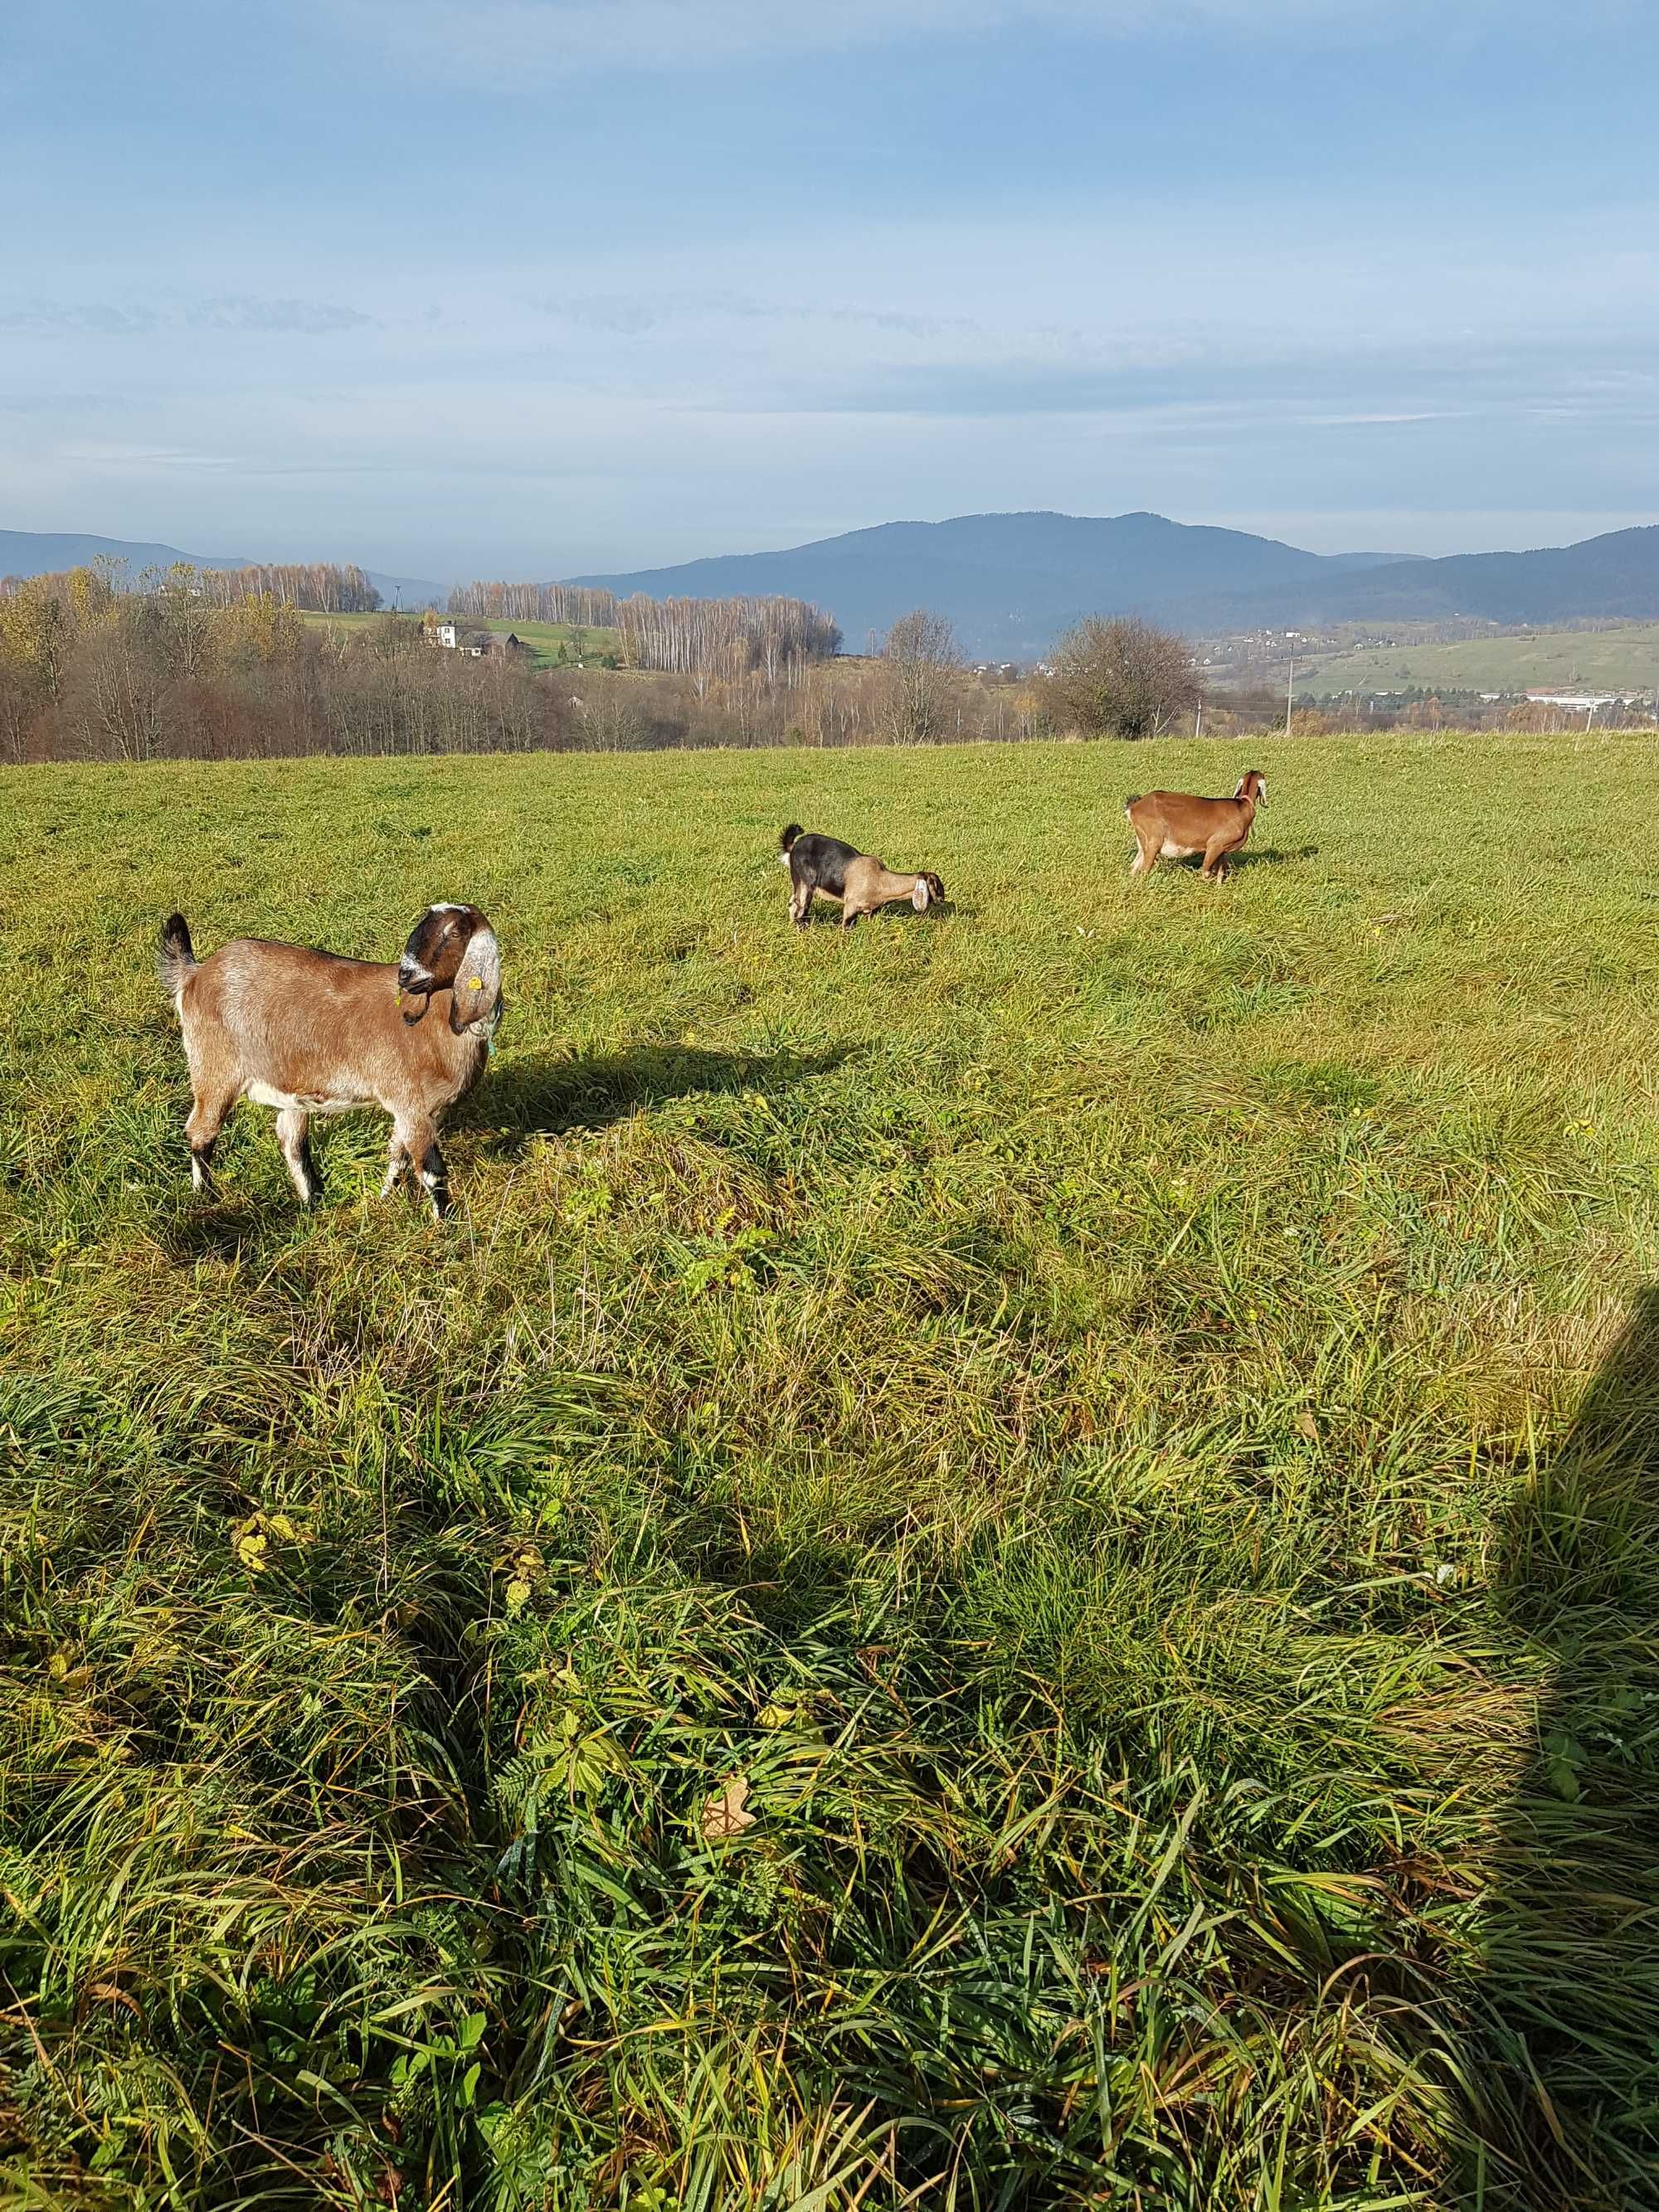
x: 1170, y: 826
x: 308, y: 1032
x: 858, y: 880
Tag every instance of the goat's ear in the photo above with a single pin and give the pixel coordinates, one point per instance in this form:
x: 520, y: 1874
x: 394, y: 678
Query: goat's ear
x: 433, y: 952
x: 919, y: 895
x: 1262, y: 789
x: 478, y: 980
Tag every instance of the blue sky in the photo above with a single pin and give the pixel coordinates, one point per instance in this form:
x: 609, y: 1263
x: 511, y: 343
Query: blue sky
x: 532, y: 287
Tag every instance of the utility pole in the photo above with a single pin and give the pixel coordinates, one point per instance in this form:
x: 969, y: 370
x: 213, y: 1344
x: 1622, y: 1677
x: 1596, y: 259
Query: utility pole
x: 1198, y: 721
x: 1290, y: 689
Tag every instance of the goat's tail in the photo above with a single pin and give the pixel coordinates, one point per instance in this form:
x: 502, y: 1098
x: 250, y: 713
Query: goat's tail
x: 175, y: 957
x: 788, y: 837
x: 1131, y: 802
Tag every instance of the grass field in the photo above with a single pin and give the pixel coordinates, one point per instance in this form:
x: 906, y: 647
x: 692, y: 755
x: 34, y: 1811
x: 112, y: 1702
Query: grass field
x: 545, y: 639
x: 1548, y: 659
x: 1012, y: 1561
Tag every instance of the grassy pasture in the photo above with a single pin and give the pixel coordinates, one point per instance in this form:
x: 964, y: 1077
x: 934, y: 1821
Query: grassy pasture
x: 545, y: 638
x: 1012, y: 1561
x: 1540, y: 661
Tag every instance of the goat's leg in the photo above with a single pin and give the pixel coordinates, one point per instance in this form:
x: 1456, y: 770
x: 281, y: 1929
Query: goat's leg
x: 1144, y: 855
x: 1214, y: 870
x: 801, y: 905
x: 208, y: 1109
x: 419, y: 1139
x: 396, y: 1161
x: 293, y: 1135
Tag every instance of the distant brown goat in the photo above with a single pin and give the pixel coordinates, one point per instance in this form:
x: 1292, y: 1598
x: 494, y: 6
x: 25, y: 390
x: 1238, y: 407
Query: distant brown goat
x: 1171, y: 826
x: 308, y: 1032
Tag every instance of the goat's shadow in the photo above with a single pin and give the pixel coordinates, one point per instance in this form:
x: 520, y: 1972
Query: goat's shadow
x: 824, y: 915
x: 1252, y: 856
x: 223, y: 1228
x: 543, y: 1094
x: 1273, y: 856
x: 1563, y: 2061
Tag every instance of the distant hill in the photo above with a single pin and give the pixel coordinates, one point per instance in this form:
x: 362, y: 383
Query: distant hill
x: 45, y: 552
x: 1010, y: 583
x: 1615, y: 577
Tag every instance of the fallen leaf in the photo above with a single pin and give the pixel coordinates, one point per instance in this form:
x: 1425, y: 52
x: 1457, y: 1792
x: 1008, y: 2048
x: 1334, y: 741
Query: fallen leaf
x: 723, y: 1816
x: 1306, y: 1425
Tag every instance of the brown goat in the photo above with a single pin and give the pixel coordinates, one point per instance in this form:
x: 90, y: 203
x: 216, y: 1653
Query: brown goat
x: 1171, y: 826
x: 308, y: 1032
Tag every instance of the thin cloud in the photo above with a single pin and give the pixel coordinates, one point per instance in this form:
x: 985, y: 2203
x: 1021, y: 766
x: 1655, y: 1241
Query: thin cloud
x: 232, y: 312
x: 510, y: 40
x: 634, y: 315
x: 303, y: 318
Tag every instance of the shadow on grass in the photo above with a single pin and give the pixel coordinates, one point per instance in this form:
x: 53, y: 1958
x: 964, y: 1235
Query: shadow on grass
x: 1252, y: 856
x: 825, y: 917
x: 1271, y: 856
x: 224, y: 1228
x: 1568, y: 1999
x: 543, y: 1094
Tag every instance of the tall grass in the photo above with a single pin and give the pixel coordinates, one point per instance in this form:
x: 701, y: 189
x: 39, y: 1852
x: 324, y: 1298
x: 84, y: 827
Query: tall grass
x: 1010, y: 1562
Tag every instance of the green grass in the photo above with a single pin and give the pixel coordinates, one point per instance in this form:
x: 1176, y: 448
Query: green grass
x: 1009, y: 1562
x: 1540, y: 661
x: 546, y: 640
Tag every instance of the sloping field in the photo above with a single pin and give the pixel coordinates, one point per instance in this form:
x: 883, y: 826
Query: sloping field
x: 546, y: 640
x: 1548, y: 659
x: 1011, y: 1561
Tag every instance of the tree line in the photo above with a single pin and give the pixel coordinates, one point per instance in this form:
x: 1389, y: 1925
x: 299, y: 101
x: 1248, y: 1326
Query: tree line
x: 175, y: 671
x: 89, y: 672
x: 707, y: 639
x: 580, y: 605
x: 323, y: 588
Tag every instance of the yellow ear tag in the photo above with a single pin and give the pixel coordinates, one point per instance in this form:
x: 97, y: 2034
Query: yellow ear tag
x: 475, y: 982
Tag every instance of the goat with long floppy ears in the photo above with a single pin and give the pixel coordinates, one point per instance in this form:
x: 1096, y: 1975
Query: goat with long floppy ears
x: 862, y: 883
x: 309, y: 1032
x: 1171, y: 826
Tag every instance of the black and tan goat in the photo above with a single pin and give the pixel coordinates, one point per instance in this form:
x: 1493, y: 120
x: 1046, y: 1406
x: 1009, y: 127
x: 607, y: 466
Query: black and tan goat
x: 308, y: 1032
x: 859, y: 881
x: 1171, y: 826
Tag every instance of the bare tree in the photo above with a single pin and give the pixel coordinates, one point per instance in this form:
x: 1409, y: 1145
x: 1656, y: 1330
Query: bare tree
x: 188, y: 616
x: 921, y: 663
x: 1122, y: 678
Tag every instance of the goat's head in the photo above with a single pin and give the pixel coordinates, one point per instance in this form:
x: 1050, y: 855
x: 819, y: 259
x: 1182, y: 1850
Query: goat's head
x: 1252, y: 784
x: 928, y: 888
x: 452, y: 948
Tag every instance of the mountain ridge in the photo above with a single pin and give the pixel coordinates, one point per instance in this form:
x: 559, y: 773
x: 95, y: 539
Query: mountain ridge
x: 1010, y: 583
